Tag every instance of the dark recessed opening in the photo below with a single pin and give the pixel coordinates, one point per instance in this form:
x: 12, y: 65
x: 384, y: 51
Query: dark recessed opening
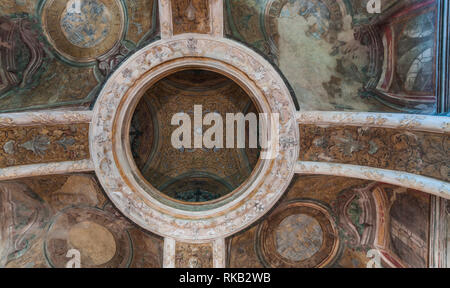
x: 190, y: 174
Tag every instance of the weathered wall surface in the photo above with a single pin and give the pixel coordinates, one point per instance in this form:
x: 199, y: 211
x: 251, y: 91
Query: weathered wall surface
x: 332, y: 52
x: 58, y: 53
x: 327, y: 221
x: 43, y: 218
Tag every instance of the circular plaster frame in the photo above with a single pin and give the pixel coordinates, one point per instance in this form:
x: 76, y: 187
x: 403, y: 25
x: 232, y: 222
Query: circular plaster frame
x: 124, y: 88
x: 266, y: 246
x: 124, y: 123
x: 50, y: 17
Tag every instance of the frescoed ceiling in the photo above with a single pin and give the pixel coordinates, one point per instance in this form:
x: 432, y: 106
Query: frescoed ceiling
x: 185, y: 172
x: 380, y: 201
x: 331, y: 51
x: 58, y: 53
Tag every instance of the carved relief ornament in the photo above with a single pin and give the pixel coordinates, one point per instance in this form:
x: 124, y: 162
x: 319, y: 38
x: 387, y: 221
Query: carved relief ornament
x: 112, y: 157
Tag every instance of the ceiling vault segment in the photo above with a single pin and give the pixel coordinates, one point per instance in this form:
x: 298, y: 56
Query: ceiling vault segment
x: 178, y: 17
x: 186, y: 232
x: 403, y: 179
x: 44, y: 143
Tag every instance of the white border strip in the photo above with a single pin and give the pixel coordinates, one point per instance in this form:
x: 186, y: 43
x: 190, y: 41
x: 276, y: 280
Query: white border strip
x: 219, y: 253
x: 436, y: 124
x: 45, y: 117
x: 437, y: 257
x: 216, y: 17
x: 40, y: 169
x: 404, y: 179
x: 169, y: 253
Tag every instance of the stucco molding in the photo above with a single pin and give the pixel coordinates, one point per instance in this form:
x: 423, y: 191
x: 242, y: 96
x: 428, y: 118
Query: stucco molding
x: 216, y: 8
x: 44, y: 117
x: 41, y: 169
x: 436, y: 124
x: 135, y: 199
x: 403, y: 179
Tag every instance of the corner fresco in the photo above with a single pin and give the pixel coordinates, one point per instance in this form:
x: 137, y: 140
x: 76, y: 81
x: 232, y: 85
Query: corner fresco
x: 331, y: 52
x: 344, y: 219
x: 45, y: 217
x: 408, y: 78
x: 415, y: 152
x: 347, y: 221
x: 59, y: 53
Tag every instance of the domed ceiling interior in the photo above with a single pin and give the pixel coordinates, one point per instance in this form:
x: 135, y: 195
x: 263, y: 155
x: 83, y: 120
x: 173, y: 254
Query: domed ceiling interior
x: 371, y: 97
x: 190, y: 174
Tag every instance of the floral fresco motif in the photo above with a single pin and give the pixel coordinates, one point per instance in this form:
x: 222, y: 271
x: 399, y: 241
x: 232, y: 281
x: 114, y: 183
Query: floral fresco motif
x: 51, y: 215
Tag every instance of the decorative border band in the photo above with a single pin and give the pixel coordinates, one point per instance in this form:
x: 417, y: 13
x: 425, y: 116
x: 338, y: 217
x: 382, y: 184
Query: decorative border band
x: 413, y: 181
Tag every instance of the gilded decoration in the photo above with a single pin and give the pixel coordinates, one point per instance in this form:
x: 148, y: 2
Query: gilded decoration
x: 189, y: 174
